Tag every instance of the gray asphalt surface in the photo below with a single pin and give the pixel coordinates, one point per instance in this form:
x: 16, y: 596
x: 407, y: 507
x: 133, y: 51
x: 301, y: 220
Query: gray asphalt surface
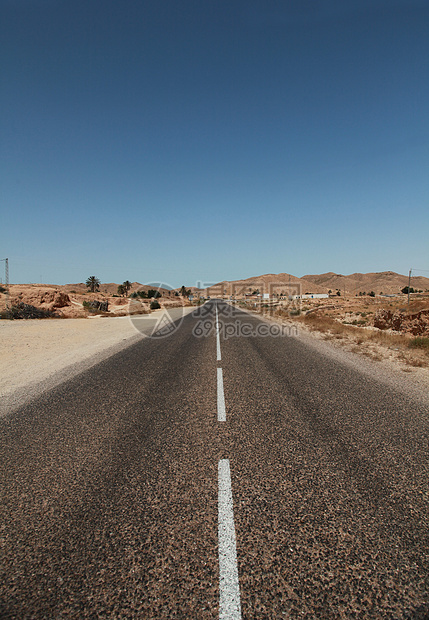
x: 109, y: 485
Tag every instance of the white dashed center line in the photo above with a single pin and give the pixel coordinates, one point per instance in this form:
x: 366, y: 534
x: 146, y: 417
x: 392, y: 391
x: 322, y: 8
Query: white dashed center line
x: 229, y: 589
x: 217, y: 325
x: 221, y: 413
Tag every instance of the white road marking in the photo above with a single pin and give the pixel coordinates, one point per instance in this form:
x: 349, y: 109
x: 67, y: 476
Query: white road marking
x: 221, y: 413
x: 217, y: 324
x: 229, y: 589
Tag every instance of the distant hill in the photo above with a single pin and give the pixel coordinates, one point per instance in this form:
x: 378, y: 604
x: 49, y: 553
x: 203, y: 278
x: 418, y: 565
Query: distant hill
x: 270, y: 282
x: 387, y: 282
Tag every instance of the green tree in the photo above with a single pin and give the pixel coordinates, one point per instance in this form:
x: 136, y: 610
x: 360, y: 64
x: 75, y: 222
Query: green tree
x: 93, y: 284
x: 127, y: 286
x: 122, y: 290
x: 405, y: 290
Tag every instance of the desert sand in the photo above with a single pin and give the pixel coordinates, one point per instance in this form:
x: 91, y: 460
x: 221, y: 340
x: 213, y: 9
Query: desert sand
x: 34, y: 350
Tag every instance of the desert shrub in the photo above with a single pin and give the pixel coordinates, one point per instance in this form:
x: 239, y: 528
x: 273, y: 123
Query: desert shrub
x: 26, y: 311
x: 419, y: 342
x: 139, y: 295
x: 154, y: 305
x: 88, y: 307
x: 2, y: 289
x: 96, y: 306
x: 295, y: 312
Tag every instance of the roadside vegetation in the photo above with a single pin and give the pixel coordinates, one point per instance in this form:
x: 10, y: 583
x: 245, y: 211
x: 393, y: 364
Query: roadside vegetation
x: 149, y: 294
x: 26, y: 311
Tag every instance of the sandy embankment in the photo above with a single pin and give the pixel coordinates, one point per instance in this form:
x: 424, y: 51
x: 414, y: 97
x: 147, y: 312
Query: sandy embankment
x: 36, y: 355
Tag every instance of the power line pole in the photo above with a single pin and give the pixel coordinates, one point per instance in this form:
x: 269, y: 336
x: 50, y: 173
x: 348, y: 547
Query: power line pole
x: 6, y: 278
x: 409, y: 284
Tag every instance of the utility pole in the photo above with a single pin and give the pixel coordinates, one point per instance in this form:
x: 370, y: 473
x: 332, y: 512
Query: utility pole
x: 6, y: 279
x: 409, y: 284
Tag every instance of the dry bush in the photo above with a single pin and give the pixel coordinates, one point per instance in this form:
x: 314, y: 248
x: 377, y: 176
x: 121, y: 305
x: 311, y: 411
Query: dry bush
x: 27, y: 311
x: 419, y: 342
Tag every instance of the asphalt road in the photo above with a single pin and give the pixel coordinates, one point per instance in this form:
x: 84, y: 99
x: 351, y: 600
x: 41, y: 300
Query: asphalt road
x: 116, y: 486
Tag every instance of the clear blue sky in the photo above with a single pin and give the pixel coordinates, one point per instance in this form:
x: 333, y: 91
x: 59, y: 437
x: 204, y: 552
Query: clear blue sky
x: 184, y: 141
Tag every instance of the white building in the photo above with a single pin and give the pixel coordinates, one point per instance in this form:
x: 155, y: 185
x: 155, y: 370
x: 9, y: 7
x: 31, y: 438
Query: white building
x: 310, y: 296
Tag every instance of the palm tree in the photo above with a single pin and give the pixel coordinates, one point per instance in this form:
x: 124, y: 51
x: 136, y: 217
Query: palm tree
x: 93, y: 284
x: 127, y: 285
